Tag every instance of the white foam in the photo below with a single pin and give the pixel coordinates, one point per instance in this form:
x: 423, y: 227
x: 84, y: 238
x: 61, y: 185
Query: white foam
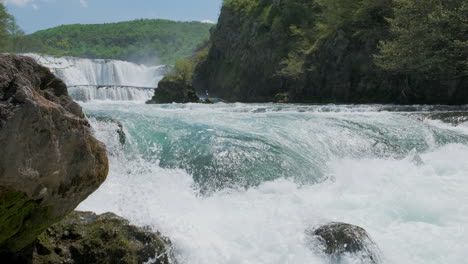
x: 414, y: 206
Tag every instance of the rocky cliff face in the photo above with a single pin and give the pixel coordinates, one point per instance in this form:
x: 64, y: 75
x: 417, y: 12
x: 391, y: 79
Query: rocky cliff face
x: 249, y: 48
x: 342, y: 70
x: 243, y: 59
x: 49, y: 160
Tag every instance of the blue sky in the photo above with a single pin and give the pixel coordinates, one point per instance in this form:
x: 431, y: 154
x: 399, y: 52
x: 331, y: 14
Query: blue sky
x: 33, y: 15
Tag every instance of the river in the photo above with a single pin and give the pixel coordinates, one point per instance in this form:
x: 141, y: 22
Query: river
x: 242, y: 183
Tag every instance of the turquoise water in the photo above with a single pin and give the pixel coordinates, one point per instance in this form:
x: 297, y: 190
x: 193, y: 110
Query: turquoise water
x: 241, y: 183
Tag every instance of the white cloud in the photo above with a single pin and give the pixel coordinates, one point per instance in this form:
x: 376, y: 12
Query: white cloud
x: 32, y: 3
x: 21, y: 3
x: 207, y: 21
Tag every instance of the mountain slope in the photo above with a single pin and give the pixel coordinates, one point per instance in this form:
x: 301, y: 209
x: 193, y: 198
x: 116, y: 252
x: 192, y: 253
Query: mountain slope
x: 145, y: 41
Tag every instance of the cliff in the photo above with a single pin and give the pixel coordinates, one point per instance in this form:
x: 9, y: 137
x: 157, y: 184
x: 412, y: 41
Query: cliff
x: 325, y: 52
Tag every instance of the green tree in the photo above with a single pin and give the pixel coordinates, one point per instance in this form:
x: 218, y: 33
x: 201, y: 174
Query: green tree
x: 11, y: 35
x: 4, y: 24
x: 429, y: 38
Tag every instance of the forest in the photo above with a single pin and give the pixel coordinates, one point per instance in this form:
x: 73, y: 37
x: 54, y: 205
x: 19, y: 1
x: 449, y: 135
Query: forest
x: 150, y: 41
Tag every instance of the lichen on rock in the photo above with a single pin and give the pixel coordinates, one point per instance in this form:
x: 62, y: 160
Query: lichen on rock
x: 84, y: 237
x: 49, y: 160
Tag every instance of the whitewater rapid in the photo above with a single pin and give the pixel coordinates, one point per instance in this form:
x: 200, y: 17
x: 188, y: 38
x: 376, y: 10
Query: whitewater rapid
x: 242, y: 183
x: 104, y: 80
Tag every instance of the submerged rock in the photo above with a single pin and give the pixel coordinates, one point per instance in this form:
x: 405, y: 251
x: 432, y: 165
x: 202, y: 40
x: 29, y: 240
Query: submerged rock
x: 119, y: 130
x: 84, y: 237
x: 49, y: 160
x: 454, y: 118
x: 338, y: 239
x: 173, y: 90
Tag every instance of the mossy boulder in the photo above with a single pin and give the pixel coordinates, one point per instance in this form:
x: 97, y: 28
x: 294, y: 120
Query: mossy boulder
x: 282, y: 98
x: 171, y: 89
x: 84, y: 238
x: 338, y: 239
x: 49, y: 159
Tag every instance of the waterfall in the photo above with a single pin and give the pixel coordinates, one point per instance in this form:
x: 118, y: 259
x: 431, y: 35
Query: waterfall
x: 98, y: 79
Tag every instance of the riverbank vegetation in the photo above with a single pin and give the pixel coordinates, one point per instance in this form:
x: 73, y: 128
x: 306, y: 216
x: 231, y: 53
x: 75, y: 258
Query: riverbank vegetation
x: 360, y: 51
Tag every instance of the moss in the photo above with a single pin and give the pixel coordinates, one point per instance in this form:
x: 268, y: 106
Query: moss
x: 282, y: 98
x: 84, y: 237
x: 15, y: 207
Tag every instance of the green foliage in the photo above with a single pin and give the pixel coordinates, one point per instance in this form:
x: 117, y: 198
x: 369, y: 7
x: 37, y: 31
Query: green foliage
x: 428, y: 38
x: 184, y: 69
x: 146, y: 41
x: 4, y: 18
x: 363, y: 18
x: 10, y: 32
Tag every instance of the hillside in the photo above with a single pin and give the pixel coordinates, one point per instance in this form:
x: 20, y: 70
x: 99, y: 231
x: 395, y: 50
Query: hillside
x: 145, y: 41
x: 338, y: 51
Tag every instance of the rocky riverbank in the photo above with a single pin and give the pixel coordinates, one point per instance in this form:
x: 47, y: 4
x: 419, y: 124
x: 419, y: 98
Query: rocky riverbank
x: 49, y: 163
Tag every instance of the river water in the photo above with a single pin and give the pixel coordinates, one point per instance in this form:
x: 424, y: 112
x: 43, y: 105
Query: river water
x: 243, y: 183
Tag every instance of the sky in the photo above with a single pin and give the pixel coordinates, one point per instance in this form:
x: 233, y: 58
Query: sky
x: 34, y: 15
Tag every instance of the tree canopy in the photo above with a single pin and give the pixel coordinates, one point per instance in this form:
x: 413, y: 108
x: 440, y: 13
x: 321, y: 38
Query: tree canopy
x: 9, y: 30
x: 428, y: 38
x: 145, y: 41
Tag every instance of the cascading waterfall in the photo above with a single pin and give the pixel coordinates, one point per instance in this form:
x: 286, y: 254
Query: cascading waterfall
x: 242, y: 183
x: 97, y: 79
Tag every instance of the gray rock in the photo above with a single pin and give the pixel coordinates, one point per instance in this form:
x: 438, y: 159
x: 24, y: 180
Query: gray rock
x: 84, y: 237
x: 172, y: 90
x: 339, y: 239
x: 49, y: 160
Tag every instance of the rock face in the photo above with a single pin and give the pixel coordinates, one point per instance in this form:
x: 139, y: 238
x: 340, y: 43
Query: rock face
x: 340, y: 238
x: 243, y: 60
x: 49, y: 161
x: 248, y: 49
x: 84, y: 237
x: 172, y: 90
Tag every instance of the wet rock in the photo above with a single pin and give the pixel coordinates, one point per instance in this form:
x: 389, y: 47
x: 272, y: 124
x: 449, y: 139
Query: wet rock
x: 49, y: 160
x: 120, y: 128
x: 84, y: 237
x: 172, y: 90
x: 339, y: 239
x: 282, y: 98
x: 454, y: 118
x: 209, y: 101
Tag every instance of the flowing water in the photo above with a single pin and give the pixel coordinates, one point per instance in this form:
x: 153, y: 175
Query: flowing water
x: 104, y: 80
x: 243, y: 183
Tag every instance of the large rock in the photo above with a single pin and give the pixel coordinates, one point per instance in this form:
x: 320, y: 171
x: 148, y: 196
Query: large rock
x: 172, y: 90
x: 339, y: 239
x: 49, y: 160
x: 84, y: 237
